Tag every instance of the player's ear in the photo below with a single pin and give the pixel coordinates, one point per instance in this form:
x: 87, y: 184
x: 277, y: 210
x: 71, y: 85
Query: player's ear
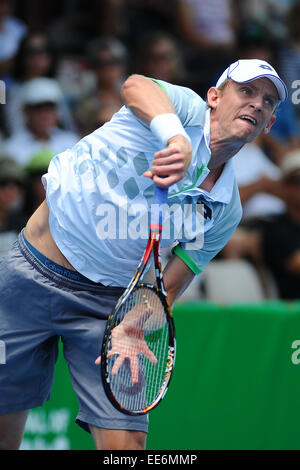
x: 269, y: 125
x: 213, y: 95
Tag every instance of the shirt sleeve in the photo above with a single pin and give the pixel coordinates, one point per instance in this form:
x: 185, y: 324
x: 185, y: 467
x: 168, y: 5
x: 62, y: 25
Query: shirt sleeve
x: 215, y: 238
x: 189, y: 106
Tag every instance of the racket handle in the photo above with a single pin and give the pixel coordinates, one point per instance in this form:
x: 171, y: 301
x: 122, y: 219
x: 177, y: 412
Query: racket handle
x: 160, y: 197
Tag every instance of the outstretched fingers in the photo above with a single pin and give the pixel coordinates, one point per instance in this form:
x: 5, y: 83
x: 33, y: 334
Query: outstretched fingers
x: 118, y: 363
x: 149, y: 354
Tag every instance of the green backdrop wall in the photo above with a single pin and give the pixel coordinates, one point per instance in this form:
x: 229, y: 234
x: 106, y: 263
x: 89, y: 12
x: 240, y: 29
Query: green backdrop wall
x: 236, y: 385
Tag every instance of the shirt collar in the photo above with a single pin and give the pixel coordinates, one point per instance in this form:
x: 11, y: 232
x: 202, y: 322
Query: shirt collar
x: 223, y: 188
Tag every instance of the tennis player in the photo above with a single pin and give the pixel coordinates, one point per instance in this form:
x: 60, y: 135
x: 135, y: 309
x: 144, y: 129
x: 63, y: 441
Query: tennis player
x: 64, y: 274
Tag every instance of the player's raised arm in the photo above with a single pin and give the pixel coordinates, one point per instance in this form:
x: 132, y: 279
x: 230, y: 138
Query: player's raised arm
x: 150, y: 103
x: 145, y: 98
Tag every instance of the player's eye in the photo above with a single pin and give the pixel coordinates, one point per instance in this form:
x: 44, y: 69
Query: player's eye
x: 270, y: 102
x: 246, y: 91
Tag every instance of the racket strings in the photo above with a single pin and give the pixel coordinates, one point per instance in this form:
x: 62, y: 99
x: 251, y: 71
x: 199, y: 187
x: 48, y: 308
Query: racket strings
x: 143, y: 348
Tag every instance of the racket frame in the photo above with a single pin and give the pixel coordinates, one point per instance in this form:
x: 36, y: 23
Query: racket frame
x: 152, y: 247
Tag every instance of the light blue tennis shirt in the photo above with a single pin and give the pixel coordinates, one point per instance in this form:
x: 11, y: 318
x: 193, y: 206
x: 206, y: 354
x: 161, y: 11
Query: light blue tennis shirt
x: 100, y: 201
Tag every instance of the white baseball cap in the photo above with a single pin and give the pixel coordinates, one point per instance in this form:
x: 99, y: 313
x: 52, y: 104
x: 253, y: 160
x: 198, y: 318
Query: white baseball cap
x: 246, y: 70
x: 40, y: 90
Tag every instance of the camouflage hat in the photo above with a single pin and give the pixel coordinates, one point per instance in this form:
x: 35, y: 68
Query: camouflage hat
x: 10, y: 170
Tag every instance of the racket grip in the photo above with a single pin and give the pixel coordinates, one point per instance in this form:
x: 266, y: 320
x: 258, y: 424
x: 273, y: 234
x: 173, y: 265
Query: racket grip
x: 160, y: 197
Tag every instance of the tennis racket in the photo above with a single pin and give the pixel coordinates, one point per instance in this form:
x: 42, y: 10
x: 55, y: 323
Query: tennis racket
x: 138, y: 349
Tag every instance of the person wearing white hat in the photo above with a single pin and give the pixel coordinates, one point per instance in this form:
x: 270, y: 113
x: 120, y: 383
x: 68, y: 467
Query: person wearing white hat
x: 165, y: 135
x: 247, y: 70
x: 40, y: 90
x: 40, y: 98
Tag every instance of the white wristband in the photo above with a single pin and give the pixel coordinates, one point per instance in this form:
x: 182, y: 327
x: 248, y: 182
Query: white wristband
x: 165, y: 126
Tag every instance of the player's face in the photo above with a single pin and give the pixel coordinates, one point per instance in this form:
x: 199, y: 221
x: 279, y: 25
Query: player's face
x: 243, y: 110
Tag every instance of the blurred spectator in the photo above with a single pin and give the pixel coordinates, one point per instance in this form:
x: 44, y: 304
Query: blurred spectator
x: 289, y: 57
x: 75, y: 79
x: 273, y: 244
x: 128, y: 20
x: 281, y: 236
x: 158, y: 56
x: 208, y: 30
x: 105, y: 113
x: 34, y: 59
x: 208, y: 25
x: 35, y: 191
x: 257, y: 175
x: 12, y: 31
x: 244, y: 244
x: 257, y: 179
x: 108, y: 60
x: 12, y: 218
x: 255, y: 42
x: 272, y: 13
x: 21, y: 192
x: 284, y: 135
x: 39, y: 98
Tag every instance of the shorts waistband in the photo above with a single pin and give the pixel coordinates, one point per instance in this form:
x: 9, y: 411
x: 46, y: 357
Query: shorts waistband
x: 59, y: 274
x: 57, y: 268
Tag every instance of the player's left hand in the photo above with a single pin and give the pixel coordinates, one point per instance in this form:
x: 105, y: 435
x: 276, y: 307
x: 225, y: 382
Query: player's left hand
x: 170, y: 164
x: 127, y: 340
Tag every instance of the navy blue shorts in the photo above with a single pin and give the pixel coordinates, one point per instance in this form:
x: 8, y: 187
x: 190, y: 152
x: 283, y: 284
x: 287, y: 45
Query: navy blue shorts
x: 41, y: 302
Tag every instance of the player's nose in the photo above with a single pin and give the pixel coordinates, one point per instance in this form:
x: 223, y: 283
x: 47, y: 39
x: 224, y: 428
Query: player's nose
x: 257, y: 103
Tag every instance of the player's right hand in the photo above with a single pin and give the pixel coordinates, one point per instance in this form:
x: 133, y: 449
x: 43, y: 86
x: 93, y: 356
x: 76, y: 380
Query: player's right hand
x: 170, y: 164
